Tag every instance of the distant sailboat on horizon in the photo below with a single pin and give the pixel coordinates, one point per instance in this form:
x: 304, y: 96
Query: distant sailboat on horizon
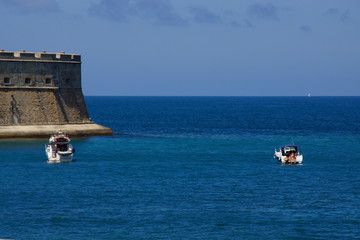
x: 309, y: 95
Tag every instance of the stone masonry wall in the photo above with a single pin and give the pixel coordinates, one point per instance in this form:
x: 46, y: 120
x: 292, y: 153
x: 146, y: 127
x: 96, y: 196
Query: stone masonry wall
x: 31, y: 107
x: 41, y: 88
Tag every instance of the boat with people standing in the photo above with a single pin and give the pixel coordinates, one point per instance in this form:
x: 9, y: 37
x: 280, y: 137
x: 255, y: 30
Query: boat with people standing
x: 59, y: 149
x: 289, y: 154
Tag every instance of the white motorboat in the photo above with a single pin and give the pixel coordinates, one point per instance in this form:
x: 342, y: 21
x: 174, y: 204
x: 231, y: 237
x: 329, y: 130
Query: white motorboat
x: 59, y: 149
x: 289, y: 154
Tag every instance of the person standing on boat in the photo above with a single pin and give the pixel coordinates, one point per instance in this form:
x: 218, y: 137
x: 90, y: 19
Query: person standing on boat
x: 292, y: 158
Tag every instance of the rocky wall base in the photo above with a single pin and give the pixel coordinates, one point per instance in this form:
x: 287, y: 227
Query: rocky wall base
x: 39, y: 131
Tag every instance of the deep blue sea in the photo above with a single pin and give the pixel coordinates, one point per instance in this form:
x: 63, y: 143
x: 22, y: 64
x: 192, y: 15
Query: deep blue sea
x: 192, y: 168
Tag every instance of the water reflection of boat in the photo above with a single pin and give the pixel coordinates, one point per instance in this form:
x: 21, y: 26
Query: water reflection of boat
x: 59, y: 149
x: 289, y: 154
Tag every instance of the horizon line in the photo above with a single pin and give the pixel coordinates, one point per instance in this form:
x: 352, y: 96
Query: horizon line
x: 219, y: 96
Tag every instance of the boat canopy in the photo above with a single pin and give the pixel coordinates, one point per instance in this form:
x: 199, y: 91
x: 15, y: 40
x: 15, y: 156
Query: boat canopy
x: 61, y: 139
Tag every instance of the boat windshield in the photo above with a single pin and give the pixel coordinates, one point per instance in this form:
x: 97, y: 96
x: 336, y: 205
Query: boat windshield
x: 287, y: 149
x: 60, y: 139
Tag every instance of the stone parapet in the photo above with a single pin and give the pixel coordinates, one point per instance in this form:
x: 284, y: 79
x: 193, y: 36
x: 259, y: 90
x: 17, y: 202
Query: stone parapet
x: 39, y: 56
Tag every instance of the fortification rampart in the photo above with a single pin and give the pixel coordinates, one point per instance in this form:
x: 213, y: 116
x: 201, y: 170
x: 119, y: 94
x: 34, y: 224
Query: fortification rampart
x: 41, y: 89
x: 34, y: 70
x: 40, y: 56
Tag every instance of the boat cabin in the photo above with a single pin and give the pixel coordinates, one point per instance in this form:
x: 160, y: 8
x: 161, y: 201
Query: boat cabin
x: 287, y: 150
x: 61, y: 142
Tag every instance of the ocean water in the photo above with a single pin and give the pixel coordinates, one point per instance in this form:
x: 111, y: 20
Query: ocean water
x: 192, y: 168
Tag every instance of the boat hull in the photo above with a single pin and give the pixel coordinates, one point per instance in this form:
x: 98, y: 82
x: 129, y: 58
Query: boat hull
x: 59, y: 157
x: 283, y: 159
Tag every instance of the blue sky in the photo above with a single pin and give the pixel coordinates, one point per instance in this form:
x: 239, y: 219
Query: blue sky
x: 197, y: 47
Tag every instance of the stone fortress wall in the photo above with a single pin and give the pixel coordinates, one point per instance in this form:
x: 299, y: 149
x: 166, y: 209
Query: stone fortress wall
x: 41, y: 88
